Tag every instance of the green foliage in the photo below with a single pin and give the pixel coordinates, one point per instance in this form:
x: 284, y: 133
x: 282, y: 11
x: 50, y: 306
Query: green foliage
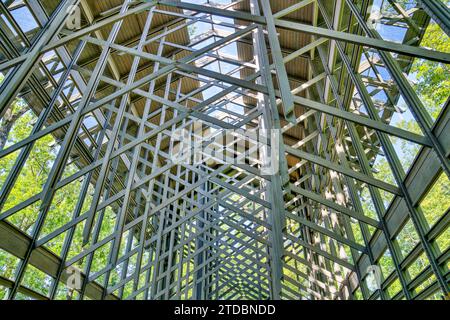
x: 29, y: 183
x: 432, y: 84
x: 433, y: 79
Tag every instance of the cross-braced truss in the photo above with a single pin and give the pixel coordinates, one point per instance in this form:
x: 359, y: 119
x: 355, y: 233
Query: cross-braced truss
x: 94, y: 205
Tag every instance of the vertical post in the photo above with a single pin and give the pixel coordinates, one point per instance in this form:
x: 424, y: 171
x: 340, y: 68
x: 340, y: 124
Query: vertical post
x: 199, y: 293
x: 270, y: 121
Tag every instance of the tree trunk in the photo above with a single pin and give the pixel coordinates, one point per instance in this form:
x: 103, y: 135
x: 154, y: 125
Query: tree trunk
x: 7, y: 122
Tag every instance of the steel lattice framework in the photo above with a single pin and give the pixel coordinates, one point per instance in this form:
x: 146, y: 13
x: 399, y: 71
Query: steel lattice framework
x: 112, y: 93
